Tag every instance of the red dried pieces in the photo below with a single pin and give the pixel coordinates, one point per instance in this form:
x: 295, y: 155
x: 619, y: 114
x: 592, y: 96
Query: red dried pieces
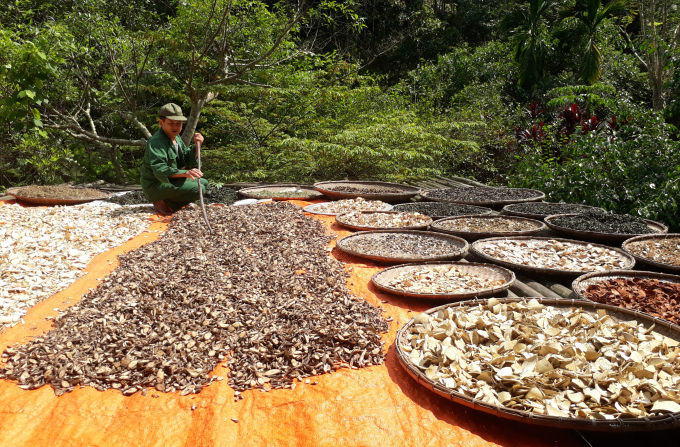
x: 658, y: 298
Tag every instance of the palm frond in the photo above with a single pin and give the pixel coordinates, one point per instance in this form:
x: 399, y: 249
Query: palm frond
x: 590, y: 68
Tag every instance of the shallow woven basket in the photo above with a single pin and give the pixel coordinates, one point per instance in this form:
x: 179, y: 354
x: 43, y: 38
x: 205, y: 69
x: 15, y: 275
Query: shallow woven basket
x: 482, y: 210
x: 459, y: 247
x: 662, y: 422
x: 381, y: 279
x: 338, y: 219
x: 508, y: 210
x: 490, y: 203
x: 595, y: 236
x: 473, y: 236
x: 581, y: 283
x: 626, y: 247
x: 308, y: 192
x: 16, y: 192
x: 474, y: 248
x: 315, y: 206
x: 326, y: 188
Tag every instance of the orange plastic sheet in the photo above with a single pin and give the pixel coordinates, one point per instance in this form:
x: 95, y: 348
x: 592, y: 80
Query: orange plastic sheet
x: 375, y: 406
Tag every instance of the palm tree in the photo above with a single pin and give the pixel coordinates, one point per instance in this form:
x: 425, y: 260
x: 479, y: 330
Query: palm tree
x: 530, y: 48
x: 585, y: 25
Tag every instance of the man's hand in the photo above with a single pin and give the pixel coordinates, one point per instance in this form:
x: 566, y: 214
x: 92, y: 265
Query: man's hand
x: 192, y: 174
x: 198, y: 138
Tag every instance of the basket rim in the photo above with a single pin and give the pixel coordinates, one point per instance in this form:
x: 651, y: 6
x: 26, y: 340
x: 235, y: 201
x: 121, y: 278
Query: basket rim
x: 509, y: 277
x: 491, y: 203
x: 246, y: 192
x: 488, y: 234
x: 579, y: 288
x: 671, y: 267
x: 595, y: 234
x: 510, y: 212
x: 406, y: 188
x: 650, y: 423
x: 311, y: 209
x: 47, y: 201
x: 460, y: 252
x: 542, y: 270
x: 365, y: 228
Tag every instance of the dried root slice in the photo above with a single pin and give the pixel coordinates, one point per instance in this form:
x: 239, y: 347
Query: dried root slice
x: 384, y: 220
x: 442, y: 279
x: 563, y: 362
x: 349, y: 205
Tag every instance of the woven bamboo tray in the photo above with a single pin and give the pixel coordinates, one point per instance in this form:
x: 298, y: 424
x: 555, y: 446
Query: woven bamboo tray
x: 626, y: 247
x: 482, y: 210
x: 581, y: 283
x: 595, y: 236
x: 326, y: 188
x: 488, y: 203
x: 662, y: 422
x: 473, y: 236
x: 313, y: 209
x: 459, y: 247
x: 308, y: 192
x: 339, y: 220
x: 508, y: 210
x: 381, y: 279
x: 475, y: 249
x: 15, y: 192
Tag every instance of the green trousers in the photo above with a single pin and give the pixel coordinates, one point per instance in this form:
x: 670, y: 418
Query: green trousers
x: 177, y: 193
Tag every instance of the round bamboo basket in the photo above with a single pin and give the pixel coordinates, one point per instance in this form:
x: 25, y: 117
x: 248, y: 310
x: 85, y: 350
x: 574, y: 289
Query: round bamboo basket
x: 314, y: 209
x: 326, y: 188
x: 459, y: 247
x: 476, y: 249
x: 474, y: 210
x: 473, y: 236
x: 630, y: 242
x: 539, y: 196
x: 580, y: 284
x: 486, y: 271
x: 16, y: 192
x: 655, y: 227
x: 339, y: 220
x: 308, y: 192
x: 510, y: 211
x: 652, y: 423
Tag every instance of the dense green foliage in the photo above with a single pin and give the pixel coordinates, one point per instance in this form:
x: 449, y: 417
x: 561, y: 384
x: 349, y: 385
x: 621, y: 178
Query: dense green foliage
x: 500, y: 91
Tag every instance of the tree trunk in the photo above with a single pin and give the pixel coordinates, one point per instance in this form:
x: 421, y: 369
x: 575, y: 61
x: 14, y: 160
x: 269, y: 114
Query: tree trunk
x: 192, y: 121
x: 115, y: 159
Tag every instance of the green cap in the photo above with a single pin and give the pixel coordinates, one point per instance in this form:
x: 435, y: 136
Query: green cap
x: 172, y: 111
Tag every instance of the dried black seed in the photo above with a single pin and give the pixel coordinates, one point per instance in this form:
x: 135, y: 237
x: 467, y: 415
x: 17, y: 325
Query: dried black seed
x: 604, y: 223
x: 547, y: 209
x: 131, y: 198
x: 440, y: 209
x: 181, y: 304
x: 482, y: 194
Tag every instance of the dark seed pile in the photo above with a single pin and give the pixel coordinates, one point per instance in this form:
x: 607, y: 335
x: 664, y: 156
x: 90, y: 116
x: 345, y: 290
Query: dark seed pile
x: 60, y: 192
x: 604, y: 223
x: 262, y: 291
x: 401, y: 245
x: 131, y: 198
x: 546, y: 209
x: 267, y: 193
x: 483, y: 194
x: 365, y: 189
x: 441, y: 209
x: 222, y: 194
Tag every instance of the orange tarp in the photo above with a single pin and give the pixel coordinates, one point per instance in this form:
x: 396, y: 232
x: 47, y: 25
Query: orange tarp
x: 375, y: 406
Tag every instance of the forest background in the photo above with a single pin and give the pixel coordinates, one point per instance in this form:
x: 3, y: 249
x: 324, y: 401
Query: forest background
x: 578, y: 98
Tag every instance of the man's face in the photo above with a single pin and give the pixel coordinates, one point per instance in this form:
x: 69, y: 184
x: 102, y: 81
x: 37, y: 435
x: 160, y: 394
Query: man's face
x: 172, y: 128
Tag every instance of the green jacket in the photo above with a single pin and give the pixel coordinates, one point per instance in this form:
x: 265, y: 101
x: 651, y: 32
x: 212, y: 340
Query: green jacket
x: 161, y: 161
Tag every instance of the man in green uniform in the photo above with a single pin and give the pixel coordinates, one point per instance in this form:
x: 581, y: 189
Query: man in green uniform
x: 168, y: 177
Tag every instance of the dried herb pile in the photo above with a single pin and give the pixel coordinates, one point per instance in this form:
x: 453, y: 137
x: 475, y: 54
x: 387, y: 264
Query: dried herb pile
x: 440, y: 209
x: 658, y: 298
x: 293, y: 192
x: 222, y: 194
x: 401, y: 245
x: 427, y: 279
x: 364, y: 189
x: 484, y: 225
x: 383, y: 219
x: 262, y: 288
x: 130, y: 198
x: 60, y: 192
x: 546, y: 209
x: 604, y: 223
x: 665, y: 251
x: 483, y: 194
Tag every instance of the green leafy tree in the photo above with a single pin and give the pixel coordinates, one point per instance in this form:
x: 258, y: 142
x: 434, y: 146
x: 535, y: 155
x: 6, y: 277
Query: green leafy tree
x: 531, y: 44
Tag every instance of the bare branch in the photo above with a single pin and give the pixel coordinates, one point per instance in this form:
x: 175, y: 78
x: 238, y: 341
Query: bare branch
x: 632, y: 47
x: 130, y: 117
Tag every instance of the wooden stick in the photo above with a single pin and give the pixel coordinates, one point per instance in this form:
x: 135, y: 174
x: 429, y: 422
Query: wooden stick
x: 200, y: 189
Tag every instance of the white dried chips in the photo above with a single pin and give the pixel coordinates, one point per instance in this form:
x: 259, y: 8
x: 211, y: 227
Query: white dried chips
x: 384, y: 219
x: 553, y: 254
x: 43, y: 249
x: 442, y: 279
x: 550, y: 361
x: 348, y: 205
